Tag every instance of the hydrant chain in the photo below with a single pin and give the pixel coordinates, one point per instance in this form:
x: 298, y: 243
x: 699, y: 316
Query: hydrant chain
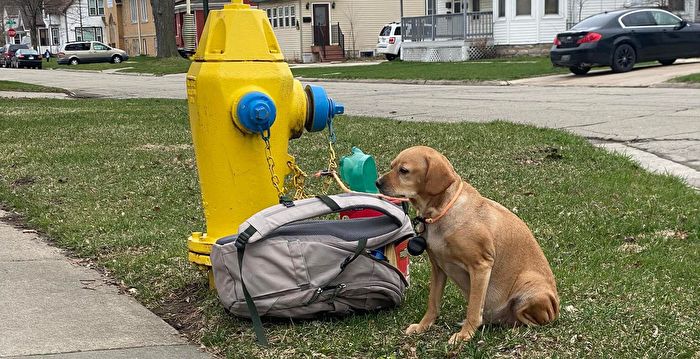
x: 271, y: 165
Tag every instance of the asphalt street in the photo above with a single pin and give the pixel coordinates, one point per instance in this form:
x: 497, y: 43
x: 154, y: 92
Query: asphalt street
x: 658, y: 126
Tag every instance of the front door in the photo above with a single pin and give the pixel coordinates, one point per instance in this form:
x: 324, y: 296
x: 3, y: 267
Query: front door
x: 322, y: 25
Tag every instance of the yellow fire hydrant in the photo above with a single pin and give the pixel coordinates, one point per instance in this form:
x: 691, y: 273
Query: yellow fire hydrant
x: 244, y: 107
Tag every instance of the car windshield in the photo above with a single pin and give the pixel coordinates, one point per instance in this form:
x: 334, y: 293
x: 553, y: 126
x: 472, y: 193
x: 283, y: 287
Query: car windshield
x: 27, y: 52
x: 386, y: 31
x: 593, y: 22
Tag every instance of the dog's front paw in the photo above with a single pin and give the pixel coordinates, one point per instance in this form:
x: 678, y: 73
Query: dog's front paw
x: 460, y: 337
x: 416, y: 329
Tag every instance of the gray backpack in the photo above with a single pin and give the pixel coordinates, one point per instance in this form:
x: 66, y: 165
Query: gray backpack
x: 296, y: 267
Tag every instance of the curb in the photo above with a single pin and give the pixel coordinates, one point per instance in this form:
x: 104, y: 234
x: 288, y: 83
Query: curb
x: 410, y: 82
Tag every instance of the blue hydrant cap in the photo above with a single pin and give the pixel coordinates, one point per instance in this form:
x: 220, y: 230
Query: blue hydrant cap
x: 323, y: 108
x: 256, y: 112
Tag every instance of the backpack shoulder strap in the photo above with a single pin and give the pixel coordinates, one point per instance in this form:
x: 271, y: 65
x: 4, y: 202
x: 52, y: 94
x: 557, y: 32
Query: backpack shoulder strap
x: 266, y: 221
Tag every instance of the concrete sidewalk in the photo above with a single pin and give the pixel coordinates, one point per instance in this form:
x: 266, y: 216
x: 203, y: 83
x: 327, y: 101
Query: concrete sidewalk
x: 53, y: 308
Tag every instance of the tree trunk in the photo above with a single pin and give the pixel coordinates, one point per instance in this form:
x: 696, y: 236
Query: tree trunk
x: 164, y: 19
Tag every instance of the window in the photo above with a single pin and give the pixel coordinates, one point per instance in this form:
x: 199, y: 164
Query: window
x: 286, y: 16
x: 523, y: 7
x: 664, y: 18
x: 476, y: 6
x: 269, y: 15
x: 88, y: 34
x: 430, y: 7
x: 676, y: 5
x: 144, y: 10
x: 96, y: 7
x: 292, y: 12
x: 397, y: 31
x: 133, y: 8
x: 280, y: 17
x: 99, y: 46
x: 457, y: 6
x: 274, y: 17
x: 43, y: 37
x: 82, y: 46
x: 639, y: 18
x: 386, y: 31
x: 551, y: 7
x: 501, y: 8
x: 54, y: 36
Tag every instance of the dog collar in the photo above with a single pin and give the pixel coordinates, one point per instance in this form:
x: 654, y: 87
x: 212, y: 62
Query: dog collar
x: 447, y: 208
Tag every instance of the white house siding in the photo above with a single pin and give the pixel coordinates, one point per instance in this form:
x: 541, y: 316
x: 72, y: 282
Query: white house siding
x: 364, y: 19
x: 289, y: 41
x: 592, y: 7
x: 360, y: 21
x: 527, y: 29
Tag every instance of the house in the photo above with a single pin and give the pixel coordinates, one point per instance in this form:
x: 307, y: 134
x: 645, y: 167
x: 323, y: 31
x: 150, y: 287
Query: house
x: 196, y: 9
x: 581, y: 9
x: 61, y: 22
x: 310, y: 30
x: 130, y: 26
x: 459, y: 30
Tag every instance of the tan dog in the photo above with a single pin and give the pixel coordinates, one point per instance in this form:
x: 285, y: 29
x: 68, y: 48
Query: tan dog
x: 484, y: 248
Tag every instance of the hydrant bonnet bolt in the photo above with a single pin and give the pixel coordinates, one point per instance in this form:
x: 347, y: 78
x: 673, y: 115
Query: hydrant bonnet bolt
x: 256, y: 112
x: 321, y: 109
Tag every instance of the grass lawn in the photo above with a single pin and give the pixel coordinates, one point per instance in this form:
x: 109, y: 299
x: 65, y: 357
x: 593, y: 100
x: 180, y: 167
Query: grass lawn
x: 482, y: 70
x: 25, y: 87
x: 694, y: 78
x: 121, y: 189
x: 141, y: 64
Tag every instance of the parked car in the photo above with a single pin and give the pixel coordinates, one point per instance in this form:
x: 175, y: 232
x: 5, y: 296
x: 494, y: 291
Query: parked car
x: 90, y: 51
x: 9, y: 52
x: 389, y: 42
x: 621, y: 38
x: 29, y: 58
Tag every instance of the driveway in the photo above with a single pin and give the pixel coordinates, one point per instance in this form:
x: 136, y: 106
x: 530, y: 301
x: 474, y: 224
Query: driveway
x: 657, y: 126
x: 648, y: 76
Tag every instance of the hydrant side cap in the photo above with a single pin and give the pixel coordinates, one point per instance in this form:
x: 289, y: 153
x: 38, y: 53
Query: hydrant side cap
x: 322, y: 109
x: 256, y: 112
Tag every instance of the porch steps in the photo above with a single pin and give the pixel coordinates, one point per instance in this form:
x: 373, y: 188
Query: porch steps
x: 329, y: 53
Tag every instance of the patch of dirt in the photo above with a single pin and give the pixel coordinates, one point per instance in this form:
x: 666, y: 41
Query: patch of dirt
x: 179, y: 310
x: 23, y: 181
x: 540, y: 155
x: 630, y: 248
x: 166, y: 148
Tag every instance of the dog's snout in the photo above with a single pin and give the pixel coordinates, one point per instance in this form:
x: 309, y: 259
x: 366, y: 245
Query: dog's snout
x: 379, y: 183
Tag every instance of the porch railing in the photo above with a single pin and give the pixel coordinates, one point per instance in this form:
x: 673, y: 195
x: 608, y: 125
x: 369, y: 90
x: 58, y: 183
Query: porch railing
x: 448, y: 26
x: 337, y: 36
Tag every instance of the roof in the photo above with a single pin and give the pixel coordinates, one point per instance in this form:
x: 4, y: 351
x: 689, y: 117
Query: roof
x: 57, y: 6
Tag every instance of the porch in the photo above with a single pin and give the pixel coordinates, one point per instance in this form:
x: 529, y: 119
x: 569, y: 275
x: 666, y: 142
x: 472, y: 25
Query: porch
x: 328, y: 43
x: 448, y: 37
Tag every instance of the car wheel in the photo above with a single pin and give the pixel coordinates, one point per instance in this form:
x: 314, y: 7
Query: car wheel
x: 624, y: 58
x: 667, y: 62
x: 116, y: 59
x: 579, y: 70
x: 74, y: 61
x: 390, y: 57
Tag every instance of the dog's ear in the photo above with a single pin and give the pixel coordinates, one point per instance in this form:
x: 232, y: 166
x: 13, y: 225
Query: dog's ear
x: 439, y: 174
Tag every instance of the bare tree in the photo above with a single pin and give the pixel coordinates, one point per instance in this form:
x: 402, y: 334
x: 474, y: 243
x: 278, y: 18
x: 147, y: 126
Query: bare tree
x: 31, y: 15
x: 350, y: 16
x: 164, y: 19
